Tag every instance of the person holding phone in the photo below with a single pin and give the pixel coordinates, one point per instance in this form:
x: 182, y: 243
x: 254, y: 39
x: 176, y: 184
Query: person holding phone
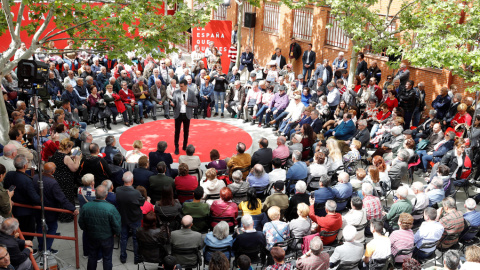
x: 5, y: 195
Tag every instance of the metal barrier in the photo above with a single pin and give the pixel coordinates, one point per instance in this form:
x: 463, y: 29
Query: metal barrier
x: 77, y: 256
x: 34, y: 262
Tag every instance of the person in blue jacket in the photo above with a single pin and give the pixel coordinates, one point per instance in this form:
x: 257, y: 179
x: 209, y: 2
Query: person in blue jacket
x: 346, y: 129
x: 435, y: 156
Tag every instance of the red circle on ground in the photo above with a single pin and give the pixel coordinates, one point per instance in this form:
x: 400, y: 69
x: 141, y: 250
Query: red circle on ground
x: 205, y: 135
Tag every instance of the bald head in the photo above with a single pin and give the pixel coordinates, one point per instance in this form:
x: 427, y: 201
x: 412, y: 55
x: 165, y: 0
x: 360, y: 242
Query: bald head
x: 9, y: 151
x: 187, y: 222
x: 49, y: 168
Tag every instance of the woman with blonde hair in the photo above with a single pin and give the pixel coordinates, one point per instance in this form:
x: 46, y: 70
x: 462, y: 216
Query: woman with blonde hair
x: 211, y: 185
x: 66, y: 166
x: 134, y: 155
x: 462, y: 117
x: 300, y: 226
x: 335, y: 159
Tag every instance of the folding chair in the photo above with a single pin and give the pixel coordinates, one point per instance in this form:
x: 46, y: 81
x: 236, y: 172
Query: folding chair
x: 347, y: 265
x: 403, y: 252
x: 186, y: 252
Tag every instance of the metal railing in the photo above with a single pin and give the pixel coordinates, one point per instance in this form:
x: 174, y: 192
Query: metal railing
x: 303, y: 23
x: 77, y: 256
x: 335, y: 35
x: 221, y: 13
x: 34, y: 262
x: 271, y: 17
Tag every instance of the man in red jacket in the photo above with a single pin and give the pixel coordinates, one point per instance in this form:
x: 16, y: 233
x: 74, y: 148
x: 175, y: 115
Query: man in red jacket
x: 128, y: 98
x: 329, y: 223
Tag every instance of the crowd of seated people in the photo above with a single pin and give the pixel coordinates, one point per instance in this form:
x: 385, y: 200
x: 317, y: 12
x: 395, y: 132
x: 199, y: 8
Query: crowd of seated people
x: 305, y: 195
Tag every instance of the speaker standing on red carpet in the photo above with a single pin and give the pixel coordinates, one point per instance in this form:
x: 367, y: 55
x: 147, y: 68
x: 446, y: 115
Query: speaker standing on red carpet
x: 183, y: 103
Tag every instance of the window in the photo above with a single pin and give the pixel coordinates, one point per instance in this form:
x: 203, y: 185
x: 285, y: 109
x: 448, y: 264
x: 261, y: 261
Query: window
x: 391, y: 28
x: 303, y: 23
x: 335, y: 35
x: 247, y: 7
x: 271, y: 17
x: 221, y: 13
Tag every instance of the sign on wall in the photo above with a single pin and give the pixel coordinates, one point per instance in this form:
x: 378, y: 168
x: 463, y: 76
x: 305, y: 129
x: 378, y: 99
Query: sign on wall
x: 220, y: 33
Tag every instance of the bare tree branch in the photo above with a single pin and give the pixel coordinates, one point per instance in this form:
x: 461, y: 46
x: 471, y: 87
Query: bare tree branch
x: 49, y: 32
x: 43, y: 27
x: 79, y: 39
x: 19, y: 19
x: 63, y: 31
x: 8, y: 17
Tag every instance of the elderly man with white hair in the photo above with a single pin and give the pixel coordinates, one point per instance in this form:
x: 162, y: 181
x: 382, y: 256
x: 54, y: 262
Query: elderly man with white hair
x: 238, y: 187
x: 300, y: 196
x: 420, y: 202
x: 472, y: 216
x: 247, y: 238
x: 158, y: 96
x: 403, y: 74
x: 342, y: 190
x: 155, y: 76
x: 129, y: 201
x: 350, y: 251
x: 9, y: 153
x: 314, y: 258
x: 18, y: 250
x: 399, y: 169
x: 400, y: 205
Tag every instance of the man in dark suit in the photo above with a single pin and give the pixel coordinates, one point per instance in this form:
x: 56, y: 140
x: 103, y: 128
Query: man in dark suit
x: 361, y: 65
x: 452, y: 110
x: 246, y: 59
x: 24, y: 193
x: 18, y: 250
x: 316, y: 123
x: 117, y: 170
x: 183, y: 104
x: 295, y: 51
x: 324, y: 72
x: 279, y: 58
x: 129, y: 201
x: 249, y: 240
x: 309, y: 57
x: 362, y: 133
x: 141, y: 175
x: 158, y: 181
x: 109, y: 150
x: 53, y: 197
x: 160, y: 155
x: 263, y: 155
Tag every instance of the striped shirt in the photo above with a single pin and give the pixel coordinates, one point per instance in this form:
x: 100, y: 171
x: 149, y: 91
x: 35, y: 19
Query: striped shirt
x: 453, y: 223
x: 373, y: 206
x: 232, y: 54
x: 401, y: 239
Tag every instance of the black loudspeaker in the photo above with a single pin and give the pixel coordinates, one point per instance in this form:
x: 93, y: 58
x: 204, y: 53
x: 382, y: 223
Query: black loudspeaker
x: 250, y: 19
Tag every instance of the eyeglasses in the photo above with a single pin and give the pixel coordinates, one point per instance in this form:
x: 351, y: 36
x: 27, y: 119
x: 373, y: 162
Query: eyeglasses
x: 162, y: 63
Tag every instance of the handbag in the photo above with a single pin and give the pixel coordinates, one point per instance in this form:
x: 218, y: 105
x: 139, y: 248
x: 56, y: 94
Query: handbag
x: 12, y: 95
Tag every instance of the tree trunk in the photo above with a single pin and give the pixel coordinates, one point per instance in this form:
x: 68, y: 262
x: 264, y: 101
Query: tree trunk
x: 352, y: 68
x: 239, y: 33
x: 4, y: 122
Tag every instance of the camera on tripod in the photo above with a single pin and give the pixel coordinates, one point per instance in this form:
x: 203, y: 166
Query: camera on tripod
x: 31, y: 72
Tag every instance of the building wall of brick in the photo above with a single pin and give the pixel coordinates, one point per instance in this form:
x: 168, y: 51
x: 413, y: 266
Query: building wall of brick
x: 264, y: 44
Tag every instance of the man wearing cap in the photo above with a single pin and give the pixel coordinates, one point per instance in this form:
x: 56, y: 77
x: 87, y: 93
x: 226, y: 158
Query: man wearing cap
x: 277, y: 105
x: 295, y: 51
x: 253, y: 78
x: 309, y: 57
x: 278, y: 198
x: 300, y: 82
x: 279, y: 58
x: 235, y: 99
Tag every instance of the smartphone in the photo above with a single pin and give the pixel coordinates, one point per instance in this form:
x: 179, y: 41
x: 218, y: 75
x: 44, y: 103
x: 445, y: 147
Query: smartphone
x: 395, y: 198
x: 11, y: 188
x: 312, y: 195
x: 76, y: 151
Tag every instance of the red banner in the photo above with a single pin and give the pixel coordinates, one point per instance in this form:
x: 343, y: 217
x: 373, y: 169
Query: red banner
x: 220, y: 32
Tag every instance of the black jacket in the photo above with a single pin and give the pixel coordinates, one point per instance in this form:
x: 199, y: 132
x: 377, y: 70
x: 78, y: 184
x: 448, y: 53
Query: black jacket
x: 406, y: 100
x: 317, y: 125
x: 97, y: 166
x: 117, y: 175
x: 156, y: 157
x: 129, y: 201
x: 141, y: 177
x: 53, y: 196
x: 283, y: 61
x: 363, y: 136
x: 374, y: 72
x: 450, y: 159
x: 452, y: 111
x: 311, y: 59
x: 248, y: 241
x: 15, y: 248
x: 109, y: 152
x: 263, y: 156
x: 362, y: 67
x: 291, y: 212
x: 24, y: 192
x: 296, y: 50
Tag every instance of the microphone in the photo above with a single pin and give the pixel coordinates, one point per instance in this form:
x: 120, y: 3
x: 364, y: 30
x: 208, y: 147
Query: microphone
x: 184, y: 98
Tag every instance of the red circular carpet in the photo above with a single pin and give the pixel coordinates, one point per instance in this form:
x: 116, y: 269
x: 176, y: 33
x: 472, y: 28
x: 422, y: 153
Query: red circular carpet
x: 205, y: 135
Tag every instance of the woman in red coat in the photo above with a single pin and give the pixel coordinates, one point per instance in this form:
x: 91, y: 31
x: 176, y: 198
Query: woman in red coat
x: 462, y: 117
x: 224, y: 207
x: 185, y: 182
x: 128, y: 99
x: 114, y: 102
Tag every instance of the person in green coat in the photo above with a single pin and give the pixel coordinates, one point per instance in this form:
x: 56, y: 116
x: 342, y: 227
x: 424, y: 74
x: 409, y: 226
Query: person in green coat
x: 101, y: 221
x: 401, y: 205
